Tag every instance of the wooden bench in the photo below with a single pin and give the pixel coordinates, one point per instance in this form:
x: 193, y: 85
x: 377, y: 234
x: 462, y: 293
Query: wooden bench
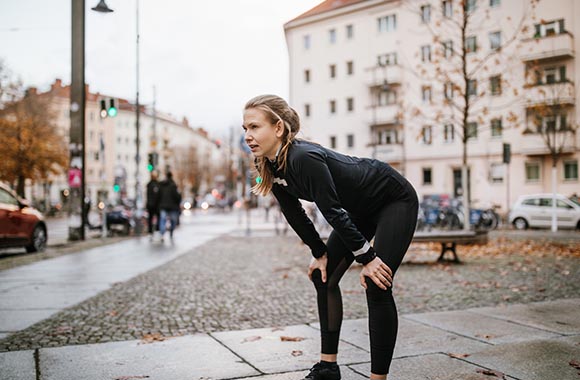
x: 449, y: 240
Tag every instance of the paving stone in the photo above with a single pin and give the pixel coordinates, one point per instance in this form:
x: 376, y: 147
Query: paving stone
x: 481, y: 327
x: 345, y: 372
x: 560, y: 316
x: 429, y: 367
x: 18, y: 365
x: 188, y: 357
x: 413, y: 339
x: 533, y: 360
x: 265, y: 350
x: 15, y: 320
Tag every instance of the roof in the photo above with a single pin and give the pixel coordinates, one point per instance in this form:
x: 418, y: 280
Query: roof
x: 326, y: 6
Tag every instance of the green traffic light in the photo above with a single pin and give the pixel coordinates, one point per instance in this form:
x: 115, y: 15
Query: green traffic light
x: 112, y: 112
x: 116, y: 188
x: 150, y: 167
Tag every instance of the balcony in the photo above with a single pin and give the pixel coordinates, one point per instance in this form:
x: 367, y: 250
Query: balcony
x: 376, y: 75
x: 384, y: 115
x: 391, y: 153
x: 533, y: 144
x: 550, y: 94
x: 556, y: 46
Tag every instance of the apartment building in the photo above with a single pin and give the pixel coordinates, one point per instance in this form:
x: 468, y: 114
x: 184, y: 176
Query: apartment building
x: 384, y: 79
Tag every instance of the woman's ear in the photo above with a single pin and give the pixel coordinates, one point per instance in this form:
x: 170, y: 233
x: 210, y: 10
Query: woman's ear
x: 279, y: 128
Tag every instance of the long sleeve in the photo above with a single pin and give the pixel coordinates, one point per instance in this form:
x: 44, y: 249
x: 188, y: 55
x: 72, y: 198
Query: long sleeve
x: 299, y: 221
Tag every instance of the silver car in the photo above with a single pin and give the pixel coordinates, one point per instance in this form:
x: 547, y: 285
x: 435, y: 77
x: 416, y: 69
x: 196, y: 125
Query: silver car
x: 536, y: 211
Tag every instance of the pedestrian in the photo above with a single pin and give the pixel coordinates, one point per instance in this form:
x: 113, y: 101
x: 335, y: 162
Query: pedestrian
x: 169, y: 205
x: 360, y: 198
x: 153, y: 192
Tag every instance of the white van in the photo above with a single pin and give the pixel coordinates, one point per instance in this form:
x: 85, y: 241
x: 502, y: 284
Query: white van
x: 536, y: 211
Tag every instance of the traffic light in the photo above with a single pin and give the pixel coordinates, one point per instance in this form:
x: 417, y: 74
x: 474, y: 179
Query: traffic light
x: 112, y: 109
x: 151, y: 161
x: 103, y: 109
x: 117, y: 184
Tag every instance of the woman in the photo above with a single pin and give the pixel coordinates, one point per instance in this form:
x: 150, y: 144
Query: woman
x: 360, y: 198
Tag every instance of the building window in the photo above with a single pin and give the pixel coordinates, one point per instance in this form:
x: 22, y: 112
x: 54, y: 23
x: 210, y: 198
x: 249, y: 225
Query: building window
x: 552, y: 75
x: 426, y: 94
x: 494, y: 3
x: 426, y: 13
x: 91, y: 135
x: 349, y: 32
x: 470, y: 5
x: 472, y: 87
x: 96, y: 156
x: 307, y: 42
x: 549, y: 28
x: 332, y: 36
x: 388, y: 137
x: 349, y: 68
x: 427, y: 134
x: 387, y: 23
x: 448, y: 133
x: 532, y: 172
x: 333, y: 142
x: 388, y: 59
x: 471, y: 44
x: 427, y: 176
x: 571, y: 170
x: 350, y: 104
x: 307, y: 110
x: 448, y: 49
x: 387, y: 98
x: 495, y: 84
x: 448, y: 90
x: 495, y: 40
x: 556, y: 122
x: 332, y: 71
x: 472, y: 130
x: 448, y: 8
x: 496, y: 172
x: 307, y: 76
x: 350, y: 141
x: 426, y: 53
x: 333, y: 106
x: 496, y: 128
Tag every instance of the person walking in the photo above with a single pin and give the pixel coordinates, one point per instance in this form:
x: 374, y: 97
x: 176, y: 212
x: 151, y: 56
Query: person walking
x: 360, y: 198
x: 153, y: 193
x: 169, y: 204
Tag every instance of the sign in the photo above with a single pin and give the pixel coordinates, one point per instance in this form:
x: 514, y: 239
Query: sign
x: 74, y: 178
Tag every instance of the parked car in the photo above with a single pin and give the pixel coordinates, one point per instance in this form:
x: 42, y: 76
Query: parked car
x: 20, y: 224
x: 535, y: 211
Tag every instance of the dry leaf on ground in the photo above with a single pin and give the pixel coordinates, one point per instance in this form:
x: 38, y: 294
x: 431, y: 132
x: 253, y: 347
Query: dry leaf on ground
x: 490, y: 372
x: 296, y: 353
x: 291, y: 338
x: 251, y: 339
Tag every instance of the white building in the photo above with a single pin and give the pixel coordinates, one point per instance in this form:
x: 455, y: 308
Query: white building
x: 368, y: 78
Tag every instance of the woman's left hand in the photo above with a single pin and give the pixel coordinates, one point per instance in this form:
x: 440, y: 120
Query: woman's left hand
x: 377, y: 271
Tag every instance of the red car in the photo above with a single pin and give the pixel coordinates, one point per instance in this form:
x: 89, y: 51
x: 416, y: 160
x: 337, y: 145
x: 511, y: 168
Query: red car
x: 20, y: 224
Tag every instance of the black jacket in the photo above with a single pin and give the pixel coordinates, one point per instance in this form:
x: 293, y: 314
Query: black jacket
x: 153, y: 188
x: 339, y: 185
x: 169, y: 197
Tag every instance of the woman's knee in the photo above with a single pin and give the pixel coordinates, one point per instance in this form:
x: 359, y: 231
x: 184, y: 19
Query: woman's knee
x: 376, y: 294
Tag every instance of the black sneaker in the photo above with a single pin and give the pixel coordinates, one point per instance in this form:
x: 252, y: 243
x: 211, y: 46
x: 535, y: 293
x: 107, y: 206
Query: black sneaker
x: 323, y: 372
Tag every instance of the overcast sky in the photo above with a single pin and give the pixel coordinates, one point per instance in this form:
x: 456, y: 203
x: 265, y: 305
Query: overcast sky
x: 206, y: 58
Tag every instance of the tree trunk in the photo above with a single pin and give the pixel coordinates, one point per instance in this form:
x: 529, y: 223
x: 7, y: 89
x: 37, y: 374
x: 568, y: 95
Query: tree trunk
x: 554, y: 175
x: 20, y: 186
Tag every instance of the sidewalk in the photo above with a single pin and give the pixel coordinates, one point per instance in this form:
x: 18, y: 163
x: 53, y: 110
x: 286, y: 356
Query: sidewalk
x: 528, y: 342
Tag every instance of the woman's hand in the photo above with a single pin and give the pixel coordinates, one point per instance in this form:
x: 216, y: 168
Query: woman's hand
x: 377, y: 271
x: 319, y: 263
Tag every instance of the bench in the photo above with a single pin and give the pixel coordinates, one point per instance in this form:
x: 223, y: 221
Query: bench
x: 449, y: 240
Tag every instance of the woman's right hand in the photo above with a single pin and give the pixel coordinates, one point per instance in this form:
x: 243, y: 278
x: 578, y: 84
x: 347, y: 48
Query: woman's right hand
x: 320, y: 264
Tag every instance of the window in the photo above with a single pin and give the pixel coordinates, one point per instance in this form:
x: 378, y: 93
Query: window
x: 448, y: 90
x: 545, y: 202
x: 532, y: 172
x: 389, y: 59
x: 472, y: 87
x: 387, y: 98
x: 570, y: 170
x: 332, y: 71
x: 496, y: 128
x: 307, y: 110
x: 91, y: 135
x: 387, y: 23
x: 388, y: 137
x: 333, y: 142
x: 549, y: 28
x: 96, y: 156
x: 307, y: 76
x: 448, y: 49
x: 426, y: 93
x: 494, y: 3
x: 448, y: 133
x: 307, y: 42
x: 496, y: 172
x: 495, y: 84
x: 333, y: 106
x: 448, y: 8
x: 531, y: 202
x: 472, y: 130
x: 349, y: 68
x: 349, y: 32
x: 426, y: 13
x: 427, y: 134
x: 332, y: 36
x: 426, y: 53
x: 350, y: 104
x: 563, y: 74
x: 350, y: 141
x: 495, y: 40
x: 427, y: 176
x: 471, y: 44
x: 470, y: 5
x: 550, y: 75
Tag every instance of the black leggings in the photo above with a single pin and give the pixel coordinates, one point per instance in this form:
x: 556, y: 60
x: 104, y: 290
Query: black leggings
x: 393, y: 229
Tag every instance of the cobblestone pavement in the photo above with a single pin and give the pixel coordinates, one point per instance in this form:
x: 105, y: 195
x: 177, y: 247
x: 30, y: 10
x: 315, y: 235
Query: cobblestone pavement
x: 235, y: 283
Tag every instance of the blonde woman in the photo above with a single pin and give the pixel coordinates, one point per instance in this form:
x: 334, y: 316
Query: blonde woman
x: 361, y: 199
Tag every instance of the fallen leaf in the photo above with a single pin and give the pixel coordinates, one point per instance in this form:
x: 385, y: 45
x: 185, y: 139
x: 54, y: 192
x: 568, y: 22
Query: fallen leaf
x: 575, y: 364
x: 485, y: 336
x: 296, y: 353
x: 490, y: 372
x: 251, y: 339
x: 150, y: 338
x: 113, y: 313
x: 131, y: 377
x: 291, y: 338
x: 457, y: 356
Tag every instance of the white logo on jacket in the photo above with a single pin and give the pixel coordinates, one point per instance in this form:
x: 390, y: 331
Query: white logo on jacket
x: 280, y: 181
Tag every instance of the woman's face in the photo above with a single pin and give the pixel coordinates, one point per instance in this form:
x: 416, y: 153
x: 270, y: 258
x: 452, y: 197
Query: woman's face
x: 261, y: 135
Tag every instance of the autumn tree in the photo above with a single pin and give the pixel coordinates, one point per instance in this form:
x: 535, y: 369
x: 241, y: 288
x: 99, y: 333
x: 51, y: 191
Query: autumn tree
x: 186, y: 167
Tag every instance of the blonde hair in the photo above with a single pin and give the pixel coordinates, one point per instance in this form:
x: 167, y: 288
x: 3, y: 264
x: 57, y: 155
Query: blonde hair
x: 276, y: 109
